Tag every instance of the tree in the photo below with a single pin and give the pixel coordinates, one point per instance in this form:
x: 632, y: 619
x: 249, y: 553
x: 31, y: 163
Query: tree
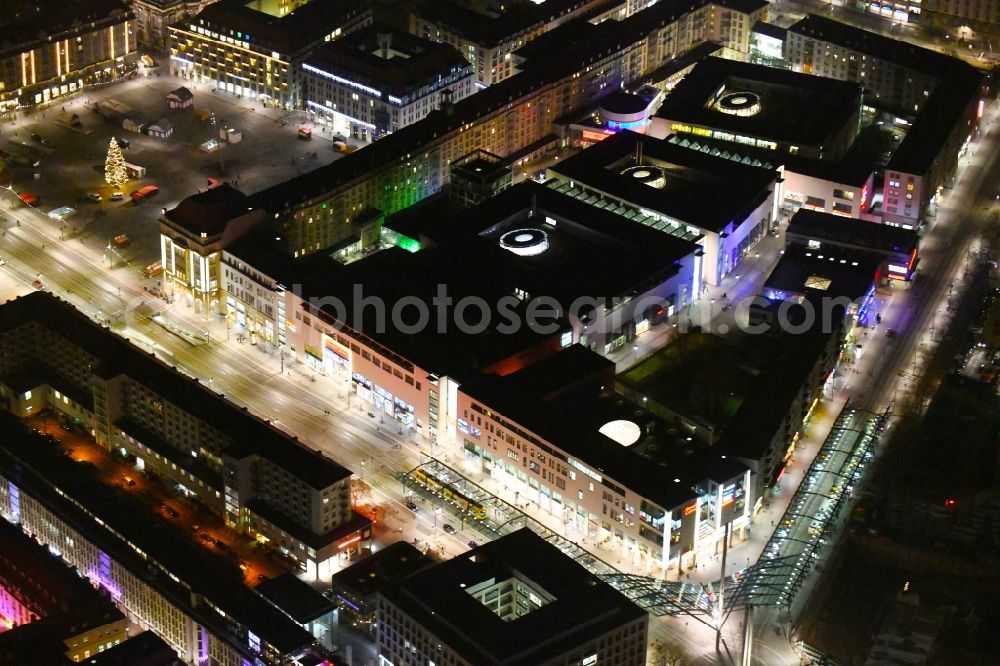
x: 114, y: 165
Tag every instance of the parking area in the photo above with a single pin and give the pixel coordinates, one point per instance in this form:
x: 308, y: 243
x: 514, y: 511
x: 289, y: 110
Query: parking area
x: 163, y: 501
x: 71, y: 141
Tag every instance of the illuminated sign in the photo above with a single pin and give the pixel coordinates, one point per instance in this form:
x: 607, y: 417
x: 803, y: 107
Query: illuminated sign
x: 893, y: 268
x: 689, y: 509
x: 345, y: 544
x: 723, y: 136
x: 594, y: 137
x: 979, y: 110
x: 728, y: 495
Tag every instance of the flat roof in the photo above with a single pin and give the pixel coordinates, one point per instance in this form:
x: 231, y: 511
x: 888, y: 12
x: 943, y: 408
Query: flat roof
x: 390, y: 564
x: 770, y: 30
x: 694, y: 181
x: 290, y: 33
x: 568, y: 398
x: 583, y: 607
x: 25, y: 22
x: 740, y: 391
x: 590, y: 252
x: 840, y: 271
x: 861, y: 234
x: 296, y: 597
x: 208, y: 212
x: 822, y: 106
x: 407, y: 64
x: 116, y: 356
x: 490, y: 27
x: 958, y: 85
x: 73, y: 491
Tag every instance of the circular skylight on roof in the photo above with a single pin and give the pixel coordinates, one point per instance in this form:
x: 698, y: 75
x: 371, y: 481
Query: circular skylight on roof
x: 646, y: 174
x: 739, y: 104
x: 624, y: 432
x: 525, y: 242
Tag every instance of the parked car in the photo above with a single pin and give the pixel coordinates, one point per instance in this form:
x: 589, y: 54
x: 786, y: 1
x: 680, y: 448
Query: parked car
x: 411, y: 505
x: 95, y: 197
x: 122, y: 142
x: 143, y: 193
x: 448, y: 528
x: 38, y: 138
x: 117, y: 196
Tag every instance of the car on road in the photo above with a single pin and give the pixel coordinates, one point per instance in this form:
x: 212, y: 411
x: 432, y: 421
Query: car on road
x: 2, y: 261
x: 206, y: 537
x: 411, y: 505
x: 38, y: 138
x: 890, y: 333
x: 37, y: 284
x: 448, y: 528
x: 61, y: 213
x: 172, y: 512
x: 129, y: 481
x: 122, y: 142
x: 472, y: 544
x: 117, y: 196
x: 95, y: 197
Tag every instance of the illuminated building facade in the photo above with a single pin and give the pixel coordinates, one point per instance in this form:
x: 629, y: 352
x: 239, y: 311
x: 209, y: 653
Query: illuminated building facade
x: 192, y: 237
x: 515, y: 118
x: 49, y: 606
x: 377, y: 80
x: 608, y: 469
x: 58, y: 50
x: 662, y: 185
x: 256, y: 49
x: 154, y: 17
x: 460, y: 612
x: 262, y: 482
x: 977, y: 11
x: 940, y: 98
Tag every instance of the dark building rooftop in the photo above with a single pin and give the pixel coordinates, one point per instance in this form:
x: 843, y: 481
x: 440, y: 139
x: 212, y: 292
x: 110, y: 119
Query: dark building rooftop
x: 288, y: 34
x: 385, y: 567
x: 208, y: 212
x: 851, y: 232
x: 958, y: 85
x: 145, y: 649
x: 694, y: 181
x: 580, y: 606
x: 490, y: 28
x: 25, y: 22
x: 300, y: 601
x: 395, y: 63
x: 826, y: 273
x: 117, y: 356
x: 568, y: 400
x: 822, y: 106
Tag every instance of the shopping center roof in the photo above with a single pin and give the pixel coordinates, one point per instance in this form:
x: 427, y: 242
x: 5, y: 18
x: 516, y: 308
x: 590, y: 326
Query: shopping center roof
x: 851, y: 232
x: 789, y: 107
x: 700, y: 190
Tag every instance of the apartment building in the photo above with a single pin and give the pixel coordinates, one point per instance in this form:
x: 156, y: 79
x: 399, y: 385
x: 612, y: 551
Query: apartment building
x: 461, y: 612
x: 939, y: 98
x: 47, y: 610
x: 488, y: 33
x: 256, y: 49
x: 378, y: 80
x: 955, y: 11
x: 263, y: 482
x: 155, y: 574
x: 50, y: 50
x: 514, y: 119
x: 154, y: 17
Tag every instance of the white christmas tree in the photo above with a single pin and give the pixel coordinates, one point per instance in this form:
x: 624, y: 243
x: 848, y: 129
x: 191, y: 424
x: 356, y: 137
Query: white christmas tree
x: 114, y: 166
